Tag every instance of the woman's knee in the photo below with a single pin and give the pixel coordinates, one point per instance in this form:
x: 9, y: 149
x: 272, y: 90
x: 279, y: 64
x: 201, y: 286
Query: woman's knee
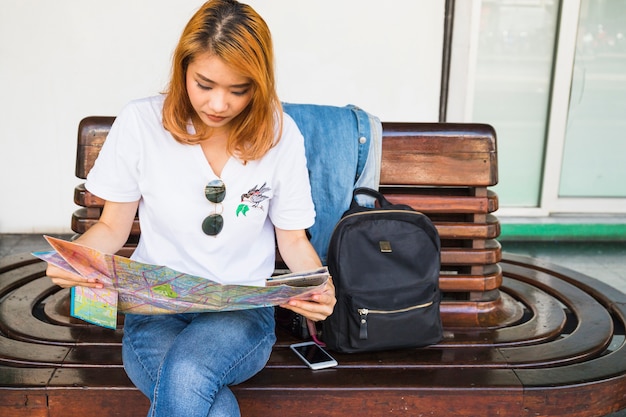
x: 142, y: 353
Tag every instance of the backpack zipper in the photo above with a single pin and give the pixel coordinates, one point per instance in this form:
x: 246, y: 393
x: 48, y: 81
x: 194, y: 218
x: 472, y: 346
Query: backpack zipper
x: 363, y: 313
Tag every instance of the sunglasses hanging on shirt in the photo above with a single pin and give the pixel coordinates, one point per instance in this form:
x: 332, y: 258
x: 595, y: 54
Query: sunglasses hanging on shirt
x: 215, y: 191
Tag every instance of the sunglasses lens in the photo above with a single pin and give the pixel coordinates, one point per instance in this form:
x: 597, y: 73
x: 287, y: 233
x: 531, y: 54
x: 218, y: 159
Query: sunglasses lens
x: 213, y: 224
x: 215, y: 191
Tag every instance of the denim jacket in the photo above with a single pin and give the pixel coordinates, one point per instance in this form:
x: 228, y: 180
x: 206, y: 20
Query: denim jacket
x: 343, y: 148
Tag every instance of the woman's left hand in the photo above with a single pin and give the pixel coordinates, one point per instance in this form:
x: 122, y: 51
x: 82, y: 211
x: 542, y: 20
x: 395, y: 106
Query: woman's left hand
x: 299, y: 255
x: 318, y: 307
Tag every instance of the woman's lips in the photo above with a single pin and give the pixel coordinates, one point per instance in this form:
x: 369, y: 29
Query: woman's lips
x: 215, y: 119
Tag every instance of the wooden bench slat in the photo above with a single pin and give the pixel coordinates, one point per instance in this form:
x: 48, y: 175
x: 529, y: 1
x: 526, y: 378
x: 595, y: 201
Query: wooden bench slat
x: 462, y: 283
x: 16, y: 353
x: 480, y: 231
x: 92, y: 132
x: 484, y: 313
x: 428, y: 201
x: 443, y: 137
x: 443, y: 201
x: 428, y: 154
x: 545, y: 325
x: 83, y: 219
x: 30, y: 328
x: 407, y: 148
x: 84, y: 198
x: 491, y: 254
x: 590, y: 339
x: 406, y: 169
x: 56, y: 308
x: 395, y: 401
x: 16, y: 277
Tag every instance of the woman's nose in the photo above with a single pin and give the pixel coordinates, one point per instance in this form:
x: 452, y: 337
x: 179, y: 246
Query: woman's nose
x: 218, y: 102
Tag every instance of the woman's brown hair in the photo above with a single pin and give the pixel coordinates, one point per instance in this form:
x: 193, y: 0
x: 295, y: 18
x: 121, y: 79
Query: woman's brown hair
x: 235, y: 33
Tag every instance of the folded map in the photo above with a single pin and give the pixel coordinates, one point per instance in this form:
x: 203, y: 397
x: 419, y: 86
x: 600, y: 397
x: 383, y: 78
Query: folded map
x: 139, y: 288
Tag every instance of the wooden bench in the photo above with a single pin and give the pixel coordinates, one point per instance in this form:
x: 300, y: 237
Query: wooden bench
x: 523, y: 337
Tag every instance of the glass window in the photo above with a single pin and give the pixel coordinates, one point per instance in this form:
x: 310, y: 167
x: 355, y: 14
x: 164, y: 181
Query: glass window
x: 594, y: 157
x: 512, y: 90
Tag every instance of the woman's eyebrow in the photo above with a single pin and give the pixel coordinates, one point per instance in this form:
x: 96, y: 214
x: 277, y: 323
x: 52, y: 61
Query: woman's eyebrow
x: 208, y: 80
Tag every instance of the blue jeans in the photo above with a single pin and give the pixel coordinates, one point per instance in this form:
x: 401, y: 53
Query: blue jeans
x: 184, y: 363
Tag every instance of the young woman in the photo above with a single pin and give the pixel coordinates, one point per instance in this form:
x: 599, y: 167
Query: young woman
x: 218, y: 174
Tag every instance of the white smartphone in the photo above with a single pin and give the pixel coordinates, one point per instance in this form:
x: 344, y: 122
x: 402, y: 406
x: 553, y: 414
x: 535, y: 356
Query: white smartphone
x: 313, y: 355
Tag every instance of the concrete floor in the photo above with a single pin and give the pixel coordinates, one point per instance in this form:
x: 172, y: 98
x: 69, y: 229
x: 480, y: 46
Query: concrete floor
x: 605, y: 261
x: 11, y: 244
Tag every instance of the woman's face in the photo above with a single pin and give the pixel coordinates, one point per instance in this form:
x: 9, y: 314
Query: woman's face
x: 217, y: 93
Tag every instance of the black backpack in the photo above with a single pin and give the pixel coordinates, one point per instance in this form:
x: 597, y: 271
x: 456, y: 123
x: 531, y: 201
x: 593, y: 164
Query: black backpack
x: 385, y: 264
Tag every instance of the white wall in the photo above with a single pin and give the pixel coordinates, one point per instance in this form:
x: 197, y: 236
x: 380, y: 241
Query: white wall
x: 63, y: 60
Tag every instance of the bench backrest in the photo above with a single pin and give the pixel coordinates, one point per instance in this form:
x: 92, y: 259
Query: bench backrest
x: 441, y: 169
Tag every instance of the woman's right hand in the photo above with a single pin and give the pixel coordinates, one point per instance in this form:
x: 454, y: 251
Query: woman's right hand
x: 66, y: 279
x: 108, y: 235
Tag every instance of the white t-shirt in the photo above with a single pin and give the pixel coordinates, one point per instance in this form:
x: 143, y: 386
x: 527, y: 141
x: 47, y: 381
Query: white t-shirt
x: 140, y: 160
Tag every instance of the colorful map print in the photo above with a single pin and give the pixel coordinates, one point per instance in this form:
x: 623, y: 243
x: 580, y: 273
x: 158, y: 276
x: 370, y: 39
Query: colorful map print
x: 139, y: 288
